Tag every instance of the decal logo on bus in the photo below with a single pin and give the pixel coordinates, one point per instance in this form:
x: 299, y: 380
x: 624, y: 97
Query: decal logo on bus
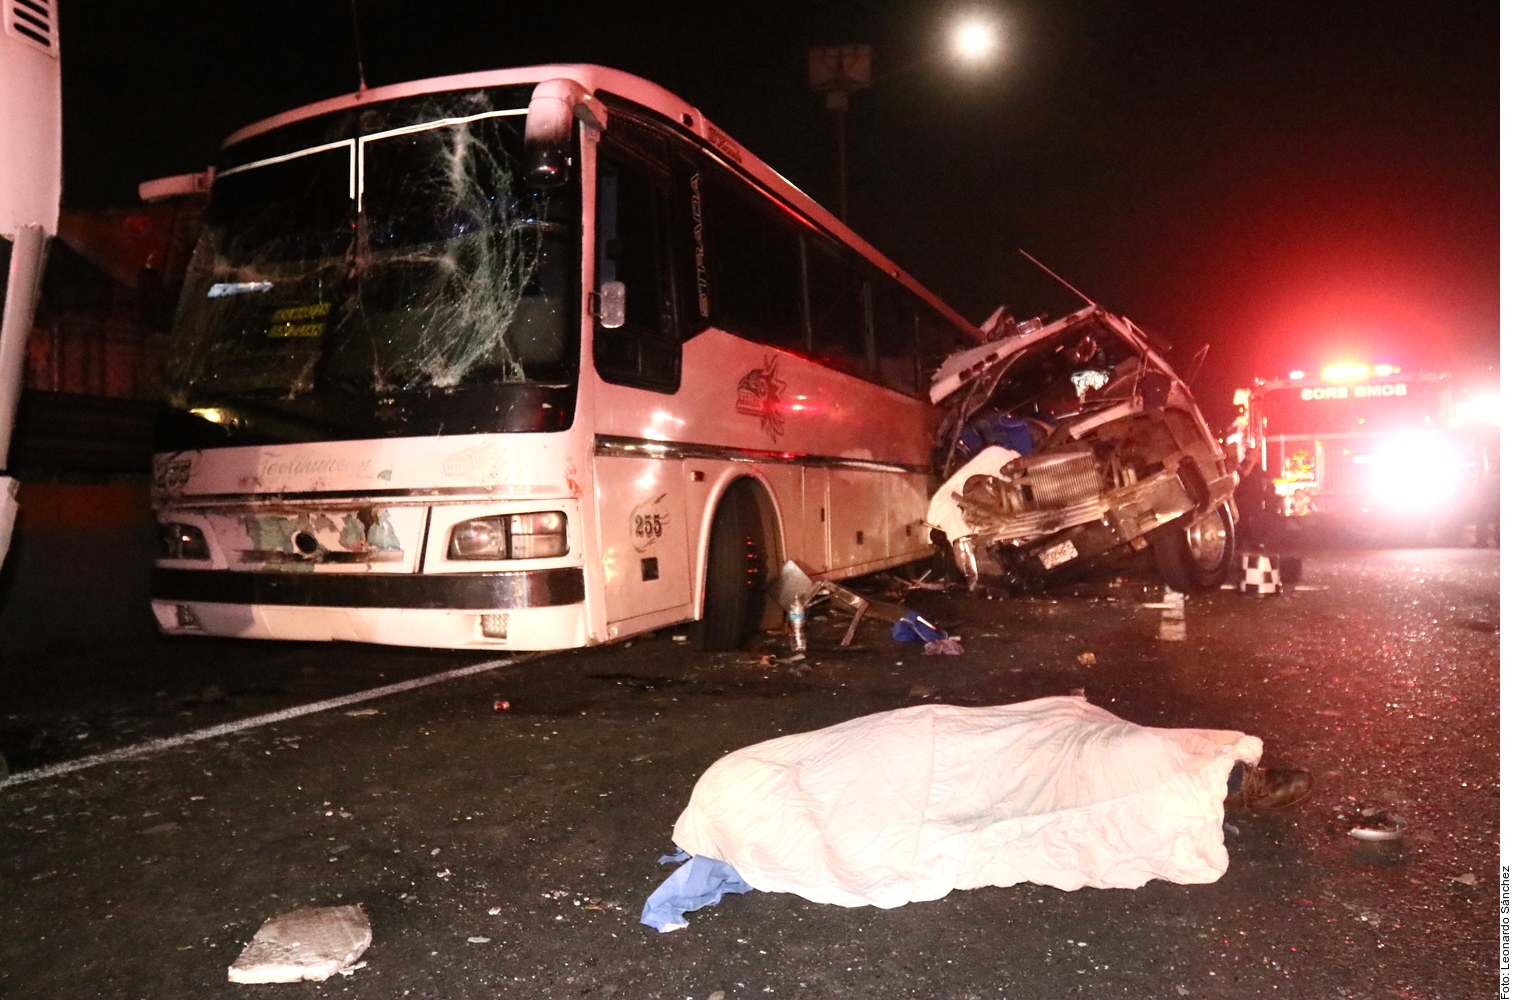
x: 482, y: 461
x: 697, y: 212
x: 171, y: 474
x: 760, y: 393
x: 648, y: 521
x: 720, y: 140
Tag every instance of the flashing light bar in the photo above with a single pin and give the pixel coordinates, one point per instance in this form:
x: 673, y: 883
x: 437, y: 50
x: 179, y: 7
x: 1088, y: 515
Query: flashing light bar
x: 1297, y: 374
x: 1351, y: 372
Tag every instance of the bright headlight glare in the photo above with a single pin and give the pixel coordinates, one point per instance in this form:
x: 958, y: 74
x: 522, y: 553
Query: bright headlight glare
x: 536, y: 535
x: 1413, y: 472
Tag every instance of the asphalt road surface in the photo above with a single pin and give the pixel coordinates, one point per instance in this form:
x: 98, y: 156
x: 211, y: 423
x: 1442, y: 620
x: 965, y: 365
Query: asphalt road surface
x: 539, y: 827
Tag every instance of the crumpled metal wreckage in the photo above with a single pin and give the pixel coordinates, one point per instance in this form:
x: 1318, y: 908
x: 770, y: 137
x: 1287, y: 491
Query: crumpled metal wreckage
x: 1071, y: 441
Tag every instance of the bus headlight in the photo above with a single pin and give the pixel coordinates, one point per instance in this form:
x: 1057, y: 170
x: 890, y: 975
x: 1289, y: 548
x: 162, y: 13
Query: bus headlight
x: 538, y: 535
x: 181, y: 541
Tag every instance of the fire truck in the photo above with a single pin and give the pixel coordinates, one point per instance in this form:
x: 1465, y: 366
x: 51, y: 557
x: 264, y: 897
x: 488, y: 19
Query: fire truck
x: 1371, y: 450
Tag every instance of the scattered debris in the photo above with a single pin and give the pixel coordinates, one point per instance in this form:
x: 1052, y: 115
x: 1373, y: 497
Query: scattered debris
x: 1378, y: 824
x: 1171, y: 627
x: 1466, y: 879
x: 911, y: 627
x: 796, y: 619
x: 494, y: 911
x: 950, y: 646
x: 358, y: 713
x: 478, y: 939
x: 680, y: 638
x: 793, y: 582
x: 920, y: 691
x: 501, y: 705
x: 698, y: 882
x: 1086, y: 659
x: 311, y: 944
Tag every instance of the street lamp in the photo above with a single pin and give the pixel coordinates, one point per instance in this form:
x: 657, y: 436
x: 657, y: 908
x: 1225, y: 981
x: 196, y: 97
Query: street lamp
x: 838, y: 71
x: 974, y: 40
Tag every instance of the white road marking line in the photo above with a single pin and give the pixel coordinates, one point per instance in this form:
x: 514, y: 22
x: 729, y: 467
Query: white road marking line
x: 252, y: 722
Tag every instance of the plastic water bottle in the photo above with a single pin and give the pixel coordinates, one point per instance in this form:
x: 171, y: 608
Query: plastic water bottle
x: 797, y: 623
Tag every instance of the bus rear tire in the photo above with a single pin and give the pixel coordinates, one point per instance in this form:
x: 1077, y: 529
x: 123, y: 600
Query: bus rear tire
x: 1197, y: 556
x: 735, y: 573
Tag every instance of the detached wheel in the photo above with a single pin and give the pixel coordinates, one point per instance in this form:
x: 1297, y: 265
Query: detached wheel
x: 736, y: 573
x: 1197, y: 556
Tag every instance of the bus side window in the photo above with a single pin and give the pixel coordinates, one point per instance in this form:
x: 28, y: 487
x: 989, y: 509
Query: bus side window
x: 631, y: 246
x: 752, y: 258
x: 937, y: 340
x: 894, y: 335
x: 838, y: 321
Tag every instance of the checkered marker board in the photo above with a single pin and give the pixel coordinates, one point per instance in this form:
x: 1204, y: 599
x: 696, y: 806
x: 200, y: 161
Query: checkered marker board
x: 1258, y: 576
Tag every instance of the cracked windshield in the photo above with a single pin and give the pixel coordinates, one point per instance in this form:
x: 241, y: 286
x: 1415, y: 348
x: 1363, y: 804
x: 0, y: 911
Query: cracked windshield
x: 391, y: 252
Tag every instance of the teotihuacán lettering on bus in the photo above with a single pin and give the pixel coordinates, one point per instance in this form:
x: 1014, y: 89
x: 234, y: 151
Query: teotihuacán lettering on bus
x: 397, y: 417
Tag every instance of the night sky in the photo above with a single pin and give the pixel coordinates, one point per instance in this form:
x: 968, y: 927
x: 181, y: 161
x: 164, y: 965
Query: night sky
x: 1294, y: 182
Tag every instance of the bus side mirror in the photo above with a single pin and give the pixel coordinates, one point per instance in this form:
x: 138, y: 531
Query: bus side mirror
x: 613, y: 305
x: 549, y: 129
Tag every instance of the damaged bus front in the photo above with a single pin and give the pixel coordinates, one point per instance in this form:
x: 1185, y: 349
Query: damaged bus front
x: 528, y: 359
x: 1073, y: 441
x: 377, y: 293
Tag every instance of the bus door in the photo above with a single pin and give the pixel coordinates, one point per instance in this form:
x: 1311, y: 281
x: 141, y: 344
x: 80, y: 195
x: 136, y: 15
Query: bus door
x: 638, y: 356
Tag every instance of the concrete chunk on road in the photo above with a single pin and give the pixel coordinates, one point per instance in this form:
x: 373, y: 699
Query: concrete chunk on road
x: 311, y: 944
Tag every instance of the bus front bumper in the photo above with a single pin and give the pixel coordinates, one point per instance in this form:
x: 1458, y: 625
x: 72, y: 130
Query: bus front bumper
x: 529, y: 610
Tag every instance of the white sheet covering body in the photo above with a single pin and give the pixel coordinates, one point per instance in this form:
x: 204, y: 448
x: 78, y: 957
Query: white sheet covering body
x: 910, y: 804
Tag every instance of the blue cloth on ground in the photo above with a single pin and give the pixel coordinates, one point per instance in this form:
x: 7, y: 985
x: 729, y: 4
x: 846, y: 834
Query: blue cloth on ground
x: 700, y: 881
x: 913, y: 628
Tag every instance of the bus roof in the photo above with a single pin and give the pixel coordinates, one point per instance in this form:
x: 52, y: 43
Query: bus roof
x: 601, y: 79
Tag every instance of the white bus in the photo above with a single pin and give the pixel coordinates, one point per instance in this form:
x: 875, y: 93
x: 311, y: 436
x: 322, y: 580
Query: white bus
x: 528, y: 359
x: 31, y: 179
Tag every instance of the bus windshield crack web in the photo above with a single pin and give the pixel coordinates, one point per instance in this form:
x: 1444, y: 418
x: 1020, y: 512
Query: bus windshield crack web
x: 464, y: 264
x: 444, y: 270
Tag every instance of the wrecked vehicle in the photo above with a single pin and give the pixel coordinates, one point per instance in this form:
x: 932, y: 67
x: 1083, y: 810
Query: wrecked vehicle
x: 1074, y: 441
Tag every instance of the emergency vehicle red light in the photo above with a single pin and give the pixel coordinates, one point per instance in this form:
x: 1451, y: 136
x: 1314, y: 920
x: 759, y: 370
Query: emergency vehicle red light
x: 1344, y: 373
